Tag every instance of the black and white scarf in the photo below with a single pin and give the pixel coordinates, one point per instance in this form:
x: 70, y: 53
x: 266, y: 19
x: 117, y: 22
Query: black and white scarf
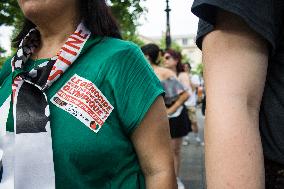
x: 27, y: 153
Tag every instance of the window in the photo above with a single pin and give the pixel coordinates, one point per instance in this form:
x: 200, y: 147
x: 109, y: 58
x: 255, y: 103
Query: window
x: 184, y: 41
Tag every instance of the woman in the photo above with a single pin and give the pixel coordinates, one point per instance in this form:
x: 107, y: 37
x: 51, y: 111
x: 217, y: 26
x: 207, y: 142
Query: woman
x: 193, y: 84
x: 180, y: 125
x: 86, y: 110
x: 175, y: 97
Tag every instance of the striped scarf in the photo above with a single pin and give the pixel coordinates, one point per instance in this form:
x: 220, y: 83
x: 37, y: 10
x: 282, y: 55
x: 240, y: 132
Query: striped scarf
x: 27, y: 161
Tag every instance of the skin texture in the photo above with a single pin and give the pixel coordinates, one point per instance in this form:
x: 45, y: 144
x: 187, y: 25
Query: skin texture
x: 236, y: 61
x: 49, y: 18
x: 151, y: 138
x: 171, y: 64
x: 152, y: 143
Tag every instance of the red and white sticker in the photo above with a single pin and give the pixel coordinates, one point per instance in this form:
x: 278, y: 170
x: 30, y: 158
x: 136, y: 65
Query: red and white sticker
x: 83, y: 100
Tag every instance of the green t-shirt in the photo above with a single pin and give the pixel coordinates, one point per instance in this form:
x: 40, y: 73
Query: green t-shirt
x: 106, y: 159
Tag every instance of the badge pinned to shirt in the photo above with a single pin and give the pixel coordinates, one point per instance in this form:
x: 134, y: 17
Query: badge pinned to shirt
x: 83, y: 100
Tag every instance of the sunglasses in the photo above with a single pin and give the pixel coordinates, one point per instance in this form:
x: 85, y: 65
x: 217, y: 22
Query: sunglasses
x: 167, y: 57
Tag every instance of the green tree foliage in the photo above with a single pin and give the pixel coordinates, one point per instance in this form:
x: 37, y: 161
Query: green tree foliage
x: 2, y: 58
x: 9, y: 12
x: 126, y: 12
x: 199, y: 69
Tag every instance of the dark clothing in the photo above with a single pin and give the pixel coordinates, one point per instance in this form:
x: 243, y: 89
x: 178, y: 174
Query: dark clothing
x: 274, y: 175
x: 265, y: 17
x: 180, y: 126
x: 203, y: 106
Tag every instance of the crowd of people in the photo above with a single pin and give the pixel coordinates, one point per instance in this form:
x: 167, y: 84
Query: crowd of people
x: 81, y: 108
x: 180, y: 98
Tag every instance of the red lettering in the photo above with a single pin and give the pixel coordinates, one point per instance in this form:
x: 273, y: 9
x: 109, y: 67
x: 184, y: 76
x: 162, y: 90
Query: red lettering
x: 56, y: 73
x: 77, y: 94
x: 64, y: 60
x: 69, y: 51
x: 79, y: 34
x: 97, y: 94
x: 89, y: 85
x: 99, y: 112
x: 85, y: 97
x: 109, y: 108
x: 92, y: 89
x: 83, y: 84
x: 66, y: 88
x: 100, y: 98
x: 74, y: 43
x: 105, y: 104
x: 75, y: 80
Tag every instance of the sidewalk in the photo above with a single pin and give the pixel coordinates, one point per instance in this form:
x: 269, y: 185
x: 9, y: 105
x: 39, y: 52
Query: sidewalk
x: 192, y: 171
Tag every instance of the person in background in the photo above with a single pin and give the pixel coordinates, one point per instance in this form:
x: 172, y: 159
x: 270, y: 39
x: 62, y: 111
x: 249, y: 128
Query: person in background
x: 86, y: 108
x: 243, y: 47
x: 175, y: 96
x: 191, y: 103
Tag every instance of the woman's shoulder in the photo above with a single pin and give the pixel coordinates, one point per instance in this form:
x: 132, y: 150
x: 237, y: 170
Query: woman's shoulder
x: 119, y: 46
x: 111, y: 51
x: 5, y: 70
x: 108, y: 48
x: 183, y: 75
x: 165, y: 73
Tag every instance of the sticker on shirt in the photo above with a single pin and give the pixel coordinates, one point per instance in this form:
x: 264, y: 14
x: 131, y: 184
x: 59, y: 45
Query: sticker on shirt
x: 83, y: 100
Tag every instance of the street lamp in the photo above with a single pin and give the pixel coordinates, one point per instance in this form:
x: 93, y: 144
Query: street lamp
x: 168, y: 31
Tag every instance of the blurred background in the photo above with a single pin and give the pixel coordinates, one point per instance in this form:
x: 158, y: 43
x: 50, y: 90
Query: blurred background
x: 169, y: 24
x: 141, y: 21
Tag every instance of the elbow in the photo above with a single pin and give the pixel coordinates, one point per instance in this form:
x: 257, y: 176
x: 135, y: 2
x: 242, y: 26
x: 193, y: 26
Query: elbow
x: 253, y: 105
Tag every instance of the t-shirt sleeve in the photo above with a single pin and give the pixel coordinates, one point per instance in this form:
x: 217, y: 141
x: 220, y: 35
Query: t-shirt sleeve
x: 5, y: 71
x: 259, y: 15
x: 136, y: 87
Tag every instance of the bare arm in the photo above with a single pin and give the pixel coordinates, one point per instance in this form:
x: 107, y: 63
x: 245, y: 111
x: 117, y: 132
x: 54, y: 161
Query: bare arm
x: 235, y: 60
x: 152, y: 143
x: 182, y: 98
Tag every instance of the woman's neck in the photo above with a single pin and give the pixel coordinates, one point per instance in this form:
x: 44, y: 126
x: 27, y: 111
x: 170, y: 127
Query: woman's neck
x: 53, y: 37
x: 174, y: 69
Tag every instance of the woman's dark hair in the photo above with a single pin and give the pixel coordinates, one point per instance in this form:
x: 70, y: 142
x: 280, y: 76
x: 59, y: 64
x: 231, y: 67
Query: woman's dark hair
x: 152, y: 50
x: 188, y: 64
x: 177, y: 56
x: 96, y: 16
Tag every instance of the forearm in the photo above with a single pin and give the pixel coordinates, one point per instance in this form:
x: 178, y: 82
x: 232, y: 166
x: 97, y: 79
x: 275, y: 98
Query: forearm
x: 180, y: 101
x: 152, y: 144
x: 174, y: 107
x: 233, y: 149
x: 162, y: 179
